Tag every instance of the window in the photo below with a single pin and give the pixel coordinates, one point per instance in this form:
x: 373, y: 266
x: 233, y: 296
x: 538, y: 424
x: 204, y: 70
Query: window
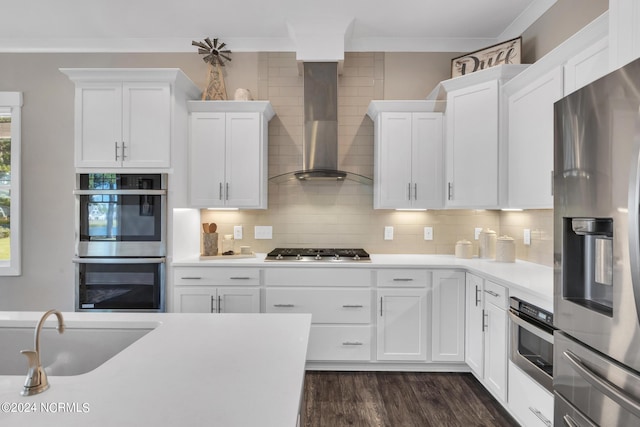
x: 10, y: 114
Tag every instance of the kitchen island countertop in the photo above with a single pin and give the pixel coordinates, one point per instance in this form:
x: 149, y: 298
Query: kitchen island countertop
x: 192, y: 369
x: 526, y: 280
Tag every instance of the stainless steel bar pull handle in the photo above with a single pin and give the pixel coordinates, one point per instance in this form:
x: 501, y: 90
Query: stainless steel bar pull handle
x: 415, y: 191
x: 283, y: 305
x: 212, y: 304
x: 123, y: 147
x: 380, y: 306
x: 605, y: 387
x: 449, y: 191
x: 402, y: 279
x: 493, y: 294
x: 352, y: 343
x: 541, y: 417
x: 485, y: 315
x: 226, y: 191
x: 569, y: 422
x: 352, y: 306
x: 116, y: 149
x: 477, y: 294
x: 219, y: 304
x: 191, y: 278
x: 239, y: 277
x: 220, y: 192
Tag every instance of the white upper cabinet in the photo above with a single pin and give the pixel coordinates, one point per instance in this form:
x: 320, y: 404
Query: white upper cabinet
x: 474, y: 137
x: 408, y: 155
x: 531, y: 141
x: 228, y: 153
x: 588, y: 65
x: 624, y: 24
x: 125, y: 118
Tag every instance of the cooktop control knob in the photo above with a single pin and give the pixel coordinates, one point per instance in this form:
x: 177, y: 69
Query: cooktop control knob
x: 318, y: 257
x: 336, y: 257
x: 356, y: 257
x: 298, y: 257
x: 279, y: 256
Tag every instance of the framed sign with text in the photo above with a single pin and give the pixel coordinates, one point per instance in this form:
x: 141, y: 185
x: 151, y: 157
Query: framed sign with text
x: 508, y: 52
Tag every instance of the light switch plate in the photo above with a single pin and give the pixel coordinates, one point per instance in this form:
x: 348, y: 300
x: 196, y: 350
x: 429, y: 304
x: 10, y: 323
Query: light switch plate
x: 237, y: 232
x: 428, y: 233
x: 263, y: 232
x: 477, y: 231
x: 527, y: 236
x: 388, y: 233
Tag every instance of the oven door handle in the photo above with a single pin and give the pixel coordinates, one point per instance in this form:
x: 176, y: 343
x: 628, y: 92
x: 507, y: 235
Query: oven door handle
x: 132, y: 192
x: 540, y: 333
x: 158, y: 260
x: 610, y: 390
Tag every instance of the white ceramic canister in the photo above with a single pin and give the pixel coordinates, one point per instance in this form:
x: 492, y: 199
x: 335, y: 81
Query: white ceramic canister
x: 505, y: 249
x: 487, y: 243
x: 464, y: 249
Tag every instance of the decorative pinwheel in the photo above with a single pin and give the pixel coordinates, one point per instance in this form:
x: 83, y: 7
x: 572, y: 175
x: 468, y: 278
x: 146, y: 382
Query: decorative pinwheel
x: 214, y: 54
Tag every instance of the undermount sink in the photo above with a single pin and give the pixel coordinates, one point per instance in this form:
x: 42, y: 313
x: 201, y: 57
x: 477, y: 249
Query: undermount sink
x: 81, y: 348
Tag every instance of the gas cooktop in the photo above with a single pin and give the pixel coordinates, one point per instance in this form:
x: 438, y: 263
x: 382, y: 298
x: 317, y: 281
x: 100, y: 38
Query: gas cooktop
x: 318, y: 255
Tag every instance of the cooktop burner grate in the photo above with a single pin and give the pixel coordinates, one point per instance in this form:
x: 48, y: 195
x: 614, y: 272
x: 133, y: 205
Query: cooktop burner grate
x: 318, y: 254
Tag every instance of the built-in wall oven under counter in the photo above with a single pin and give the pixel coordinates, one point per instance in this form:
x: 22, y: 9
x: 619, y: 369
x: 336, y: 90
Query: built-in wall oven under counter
x: 120, y: 242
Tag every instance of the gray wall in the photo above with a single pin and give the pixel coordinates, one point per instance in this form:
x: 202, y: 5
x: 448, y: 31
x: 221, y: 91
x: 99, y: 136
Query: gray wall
x: 47, y: 143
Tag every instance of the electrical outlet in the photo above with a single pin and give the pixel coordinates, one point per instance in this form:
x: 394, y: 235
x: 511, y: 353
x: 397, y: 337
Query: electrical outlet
x: 527, y: 236
x: 477, y: 231
x: 388, y: 233
x: 428, y: 233
x: 237, y: 232
x: 263, y: 232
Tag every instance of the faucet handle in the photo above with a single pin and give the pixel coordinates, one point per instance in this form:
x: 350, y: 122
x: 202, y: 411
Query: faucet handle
x: 32, y: 358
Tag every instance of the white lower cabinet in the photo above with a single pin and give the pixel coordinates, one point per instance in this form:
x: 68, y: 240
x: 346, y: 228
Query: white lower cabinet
x: 533, y: 408
x: 487, y: 333
x: 216, y: 290
x: 208, y: 299
x: 402, y: 324
x: 341, y: 319
x: 447, y: 318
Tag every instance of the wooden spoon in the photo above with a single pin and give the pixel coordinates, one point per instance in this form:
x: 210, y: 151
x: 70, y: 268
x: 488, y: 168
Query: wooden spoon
x: 213, y: 227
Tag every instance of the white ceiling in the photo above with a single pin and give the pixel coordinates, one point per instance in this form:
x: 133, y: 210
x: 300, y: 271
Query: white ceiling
x: 261, y: 25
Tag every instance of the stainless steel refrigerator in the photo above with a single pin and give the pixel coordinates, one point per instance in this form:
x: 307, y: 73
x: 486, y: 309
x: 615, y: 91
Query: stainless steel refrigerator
x: 597, y: 253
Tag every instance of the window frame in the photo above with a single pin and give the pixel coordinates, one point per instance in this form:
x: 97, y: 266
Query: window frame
x: 12, y: 102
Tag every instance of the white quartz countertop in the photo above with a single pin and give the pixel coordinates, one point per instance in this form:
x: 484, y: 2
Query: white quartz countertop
x: 526, y: 280
x: 191, y: 370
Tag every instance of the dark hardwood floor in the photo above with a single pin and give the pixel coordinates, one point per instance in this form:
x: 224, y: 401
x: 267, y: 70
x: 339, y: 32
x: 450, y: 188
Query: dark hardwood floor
x: 399, y: 399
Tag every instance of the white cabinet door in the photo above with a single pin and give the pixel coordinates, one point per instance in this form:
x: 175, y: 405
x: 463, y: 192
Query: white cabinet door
x: 244, y: 154
x: 408, y: 165
x: 474, y: 328
x: 206, y: 159
x: 427, y: 161
x: 194, y: 299
x: 227, y: 159
x: 624, y: 30
x: 146, y: 125
x: 530, y: 133
x: 393, y: 161
x: 448, y: 316
x: 98, y: 125
x: 238, y: 300
x: 402, y: 324
x: 123, y: 125
x: 472, y: 138
x: 495, y: 346
x: 587, y: 66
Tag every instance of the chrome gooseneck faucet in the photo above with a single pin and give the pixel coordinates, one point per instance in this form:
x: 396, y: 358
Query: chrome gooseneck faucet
x: 36, y: 381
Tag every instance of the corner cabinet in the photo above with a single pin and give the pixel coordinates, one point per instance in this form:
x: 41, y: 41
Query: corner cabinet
x: 475, y: 141
x: 125, y: 118
x: 228, y: 153
x: 408, y: 154
x: 531, y: 140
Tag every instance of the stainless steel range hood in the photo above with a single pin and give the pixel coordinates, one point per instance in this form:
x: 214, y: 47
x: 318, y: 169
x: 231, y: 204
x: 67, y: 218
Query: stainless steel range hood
x: 320, y: 139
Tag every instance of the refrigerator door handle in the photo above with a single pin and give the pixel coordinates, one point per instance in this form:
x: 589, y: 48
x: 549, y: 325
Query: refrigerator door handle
x: 610, y: 390
x: 634, y: 222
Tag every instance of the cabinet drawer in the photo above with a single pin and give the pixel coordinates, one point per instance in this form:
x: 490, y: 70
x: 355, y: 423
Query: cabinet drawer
x: 325, y: 305
x: 339, y: 343
x: 404, y: 277
x: 317, y: 276
x: 194, y: 276
x: 496, y: 294
x: 533, y: 408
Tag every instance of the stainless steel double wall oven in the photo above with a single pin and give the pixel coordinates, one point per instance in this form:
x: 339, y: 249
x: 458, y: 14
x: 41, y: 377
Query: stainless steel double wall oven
x: 120, y: 242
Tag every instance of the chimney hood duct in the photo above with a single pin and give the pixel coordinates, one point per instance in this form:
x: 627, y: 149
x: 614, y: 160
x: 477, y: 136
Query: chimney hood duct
x: 320, y: 139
